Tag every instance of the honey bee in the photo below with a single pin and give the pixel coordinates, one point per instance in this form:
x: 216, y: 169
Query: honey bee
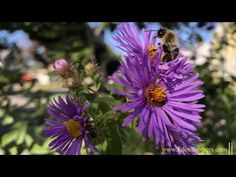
x: 170, y: 44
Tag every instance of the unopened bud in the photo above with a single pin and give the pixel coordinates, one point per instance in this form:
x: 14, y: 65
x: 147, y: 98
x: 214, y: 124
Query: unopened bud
x: 61, y: 66
x: 87, y: 81
x: 71, y: 83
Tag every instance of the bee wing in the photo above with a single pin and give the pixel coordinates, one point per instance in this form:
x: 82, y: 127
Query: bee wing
x: 185, y: 44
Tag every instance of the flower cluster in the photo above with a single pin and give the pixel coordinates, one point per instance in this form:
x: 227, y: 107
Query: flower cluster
x: 163, y: 95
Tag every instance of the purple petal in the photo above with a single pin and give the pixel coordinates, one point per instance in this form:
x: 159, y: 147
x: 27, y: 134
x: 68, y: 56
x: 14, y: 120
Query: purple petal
x: 195, y: 118
x: 129, y: 106
x: 131, y: 117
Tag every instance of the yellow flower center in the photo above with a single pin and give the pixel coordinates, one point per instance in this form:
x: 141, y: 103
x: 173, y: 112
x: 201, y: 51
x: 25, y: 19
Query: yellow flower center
x: 152, y: 49
x: 155, y: 95
x: 73, y: 127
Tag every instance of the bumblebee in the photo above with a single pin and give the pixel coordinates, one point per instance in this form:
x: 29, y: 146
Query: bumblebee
x: 170, y: 44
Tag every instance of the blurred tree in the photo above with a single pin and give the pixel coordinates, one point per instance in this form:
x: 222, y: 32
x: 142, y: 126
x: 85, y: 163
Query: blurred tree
x: 220, y: 116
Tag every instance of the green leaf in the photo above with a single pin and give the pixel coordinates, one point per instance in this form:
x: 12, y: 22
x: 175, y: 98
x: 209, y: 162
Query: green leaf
x: 133, y: 143
x: 89, y: 96
x: 98, y: 85
x: 28, y: 140
x: 105, y: 103
x: 42, y: 149
x: 8, y: 120
x: 103, y: 146
x: 109, y: 114
x: 9, y: 137
x: 21, y: 136
x: 37, y: 149
x: 114, y: 145
x: 13, y: 150
x: 2, y: 111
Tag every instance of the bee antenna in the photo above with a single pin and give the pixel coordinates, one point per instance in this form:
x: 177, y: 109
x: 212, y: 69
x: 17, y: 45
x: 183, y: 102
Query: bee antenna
x: 150, y: 30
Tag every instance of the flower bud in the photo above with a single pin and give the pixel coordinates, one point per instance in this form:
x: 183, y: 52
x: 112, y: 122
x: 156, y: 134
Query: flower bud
x: 90, y: 67
x: 61, y: 66
x: 71, y: 83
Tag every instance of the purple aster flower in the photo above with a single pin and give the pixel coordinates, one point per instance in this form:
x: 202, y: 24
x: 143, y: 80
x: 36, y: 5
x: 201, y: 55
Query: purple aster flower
x: 134, y: 45
x: 163, y: 96
x: 70, y: 127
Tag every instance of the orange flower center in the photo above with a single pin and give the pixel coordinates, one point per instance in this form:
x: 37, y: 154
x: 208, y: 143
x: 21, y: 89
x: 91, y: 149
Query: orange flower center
x: 155, y: 95
x: 152, y: 49
x: 73, y: 128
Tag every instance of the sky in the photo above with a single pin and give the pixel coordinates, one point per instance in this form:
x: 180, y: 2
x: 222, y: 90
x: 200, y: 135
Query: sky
x: 18, y: 37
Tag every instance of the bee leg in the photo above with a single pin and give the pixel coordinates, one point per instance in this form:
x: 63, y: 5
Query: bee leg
x: 167, y: 57
x: 175, y: 53
x: 155, y: 36
x: 166, y: 49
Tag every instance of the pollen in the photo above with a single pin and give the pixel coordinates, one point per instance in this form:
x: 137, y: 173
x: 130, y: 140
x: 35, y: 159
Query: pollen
x: 73, y: 128
x: 152, y: 49
x: 155, y: 95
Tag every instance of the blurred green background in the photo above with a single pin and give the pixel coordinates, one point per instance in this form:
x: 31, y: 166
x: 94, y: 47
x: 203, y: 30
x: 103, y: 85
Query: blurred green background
x: 27, y: 80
